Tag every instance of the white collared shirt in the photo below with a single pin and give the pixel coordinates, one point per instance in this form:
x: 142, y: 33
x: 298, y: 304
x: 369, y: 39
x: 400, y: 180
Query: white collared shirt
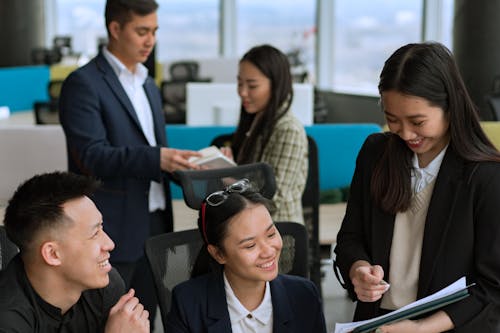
x: 259, y: 320
x: 421, y: 177
x: 133, y: 83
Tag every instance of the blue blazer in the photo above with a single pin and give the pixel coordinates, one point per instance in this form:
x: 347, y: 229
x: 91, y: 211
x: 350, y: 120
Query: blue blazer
x: 199, y: 305
x: 104, y: 139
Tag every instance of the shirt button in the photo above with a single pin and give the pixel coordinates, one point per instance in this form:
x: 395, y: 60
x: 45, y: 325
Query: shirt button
x: 249, y: 316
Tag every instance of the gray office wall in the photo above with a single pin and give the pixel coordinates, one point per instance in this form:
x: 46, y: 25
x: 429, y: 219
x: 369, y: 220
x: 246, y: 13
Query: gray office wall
x: 22, y: 28
x: 476, y: 45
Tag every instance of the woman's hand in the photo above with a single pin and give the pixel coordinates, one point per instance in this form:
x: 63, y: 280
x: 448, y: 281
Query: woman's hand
x: 367, y: 281
x: 437, y: 322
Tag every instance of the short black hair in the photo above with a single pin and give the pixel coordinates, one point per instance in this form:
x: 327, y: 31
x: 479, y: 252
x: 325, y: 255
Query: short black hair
x: 37, y: 204
x: 121, y: 10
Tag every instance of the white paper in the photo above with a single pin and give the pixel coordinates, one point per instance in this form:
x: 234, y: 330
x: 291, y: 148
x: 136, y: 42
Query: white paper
x: 452, y: 288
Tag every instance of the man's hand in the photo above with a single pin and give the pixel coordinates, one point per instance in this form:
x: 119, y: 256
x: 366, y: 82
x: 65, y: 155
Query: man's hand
x: 367, y: 281
x: 176, y: 159
x: 128, y: 315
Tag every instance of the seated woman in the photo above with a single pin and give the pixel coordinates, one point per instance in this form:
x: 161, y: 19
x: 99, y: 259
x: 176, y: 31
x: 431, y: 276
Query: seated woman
x: 243, y: 291
x: 267, y: 131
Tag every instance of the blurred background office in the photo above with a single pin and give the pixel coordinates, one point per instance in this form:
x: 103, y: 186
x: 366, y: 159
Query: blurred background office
x: 337, y: 45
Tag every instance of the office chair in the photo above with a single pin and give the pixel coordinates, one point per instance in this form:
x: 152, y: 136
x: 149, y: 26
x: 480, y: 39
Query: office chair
x: 197, y: 184
x: 173, y: 91
x: 173, y: 255
x: 47, y: 112
x: 310, y: 209
x: 310, y: 204
x: 173, y: 94
x: 7, y: 249
x: 63, y: 45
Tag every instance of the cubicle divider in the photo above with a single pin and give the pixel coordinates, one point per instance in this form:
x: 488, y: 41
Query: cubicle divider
x: 20, y: 87
x: 338, y: 146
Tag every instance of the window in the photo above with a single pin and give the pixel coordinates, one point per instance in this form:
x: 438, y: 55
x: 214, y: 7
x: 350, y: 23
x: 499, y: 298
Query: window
x: 366, y: 32
x: 188, y: 29
x: 286, y: 24
x: 83, y: 20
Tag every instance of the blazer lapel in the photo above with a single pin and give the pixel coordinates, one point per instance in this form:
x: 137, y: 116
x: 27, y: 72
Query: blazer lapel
x: 282, y: 313
x: 115, y: 86
x: 157, y: 112
x: 438, y: 221
x: 217, y: 306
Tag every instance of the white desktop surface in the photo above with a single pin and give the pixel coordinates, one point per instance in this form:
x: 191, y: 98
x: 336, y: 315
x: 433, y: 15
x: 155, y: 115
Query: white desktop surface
x: 209, y: 104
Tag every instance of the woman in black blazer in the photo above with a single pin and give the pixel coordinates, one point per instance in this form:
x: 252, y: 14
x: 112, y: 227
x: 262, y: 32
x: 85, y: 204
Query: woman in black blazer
x: 436, y: 168
x: 243, y: 291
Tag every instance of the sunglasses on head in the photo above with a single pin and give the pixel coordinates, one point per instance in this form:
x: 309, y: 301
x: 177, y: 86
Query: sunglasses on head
x: 218, y: 198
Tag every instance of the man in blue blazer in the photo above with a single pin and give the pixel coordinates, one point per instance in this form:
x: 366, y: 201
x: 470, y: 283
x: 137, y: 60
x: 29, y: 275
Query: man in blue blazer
x: 111, y: 113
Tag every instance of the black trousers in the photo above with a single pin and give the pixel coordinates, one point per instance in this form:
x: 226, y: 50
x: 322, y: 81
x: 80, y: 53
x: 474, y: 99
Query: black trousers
x: 138, y: 274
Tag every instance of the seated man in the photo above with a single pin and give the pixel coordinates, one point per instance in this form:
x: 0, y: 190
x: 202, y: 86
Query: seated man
x: 61, y: 281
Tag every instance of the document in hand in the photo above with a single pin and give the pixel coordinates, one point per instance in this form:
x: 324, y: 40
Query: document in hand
x: 212, y: 158
x: 453, y: 293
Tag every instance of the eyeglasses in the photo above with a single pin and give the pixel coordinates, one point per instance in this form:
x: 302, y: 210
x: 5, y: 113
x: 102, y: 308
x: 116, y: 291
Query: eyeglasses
x: 218, y: 198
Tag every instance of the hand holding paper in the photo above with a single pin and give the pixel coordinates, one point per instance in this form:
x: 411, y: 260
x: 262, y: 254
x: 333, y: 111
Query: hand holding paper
x: 453, y: 293
x: 212, y: 158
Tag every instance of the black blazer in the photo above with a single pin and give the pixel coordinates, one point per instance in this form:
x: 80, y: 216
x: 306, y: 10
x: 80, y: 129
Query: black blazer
x: 199, y: 305
x: 104, y: 139
x: 461, y: 236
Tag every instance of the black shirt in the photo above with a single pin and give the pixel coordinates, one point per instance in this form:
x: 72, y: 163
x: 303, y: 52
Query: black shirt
x: 23, y: 310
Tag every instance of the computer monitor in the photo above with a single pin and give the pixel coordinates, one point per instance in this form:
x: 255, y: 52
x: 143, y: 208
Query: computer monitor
x: 218, y: 104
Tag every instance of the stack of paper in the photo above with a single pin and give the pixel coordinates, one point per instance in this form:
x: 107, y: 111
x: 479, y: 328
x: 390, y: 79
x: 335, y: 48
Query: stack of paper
x: 212, y: 158
x: 453, y: 293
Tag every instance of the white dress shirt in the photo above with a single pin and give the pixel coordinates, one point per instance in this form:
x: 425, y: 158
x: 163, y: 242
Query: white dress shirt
x: 421, y: 177
x: 259, y: 320
x: 133, y: 83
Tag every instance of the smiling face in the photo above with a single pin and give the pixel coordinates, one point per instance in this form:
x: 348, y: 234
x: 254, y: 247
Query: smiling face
x: 423, y: 127
x: 251, y: 249
x: 83, y: 246
x: 133, y: 41
x: 254, y: 88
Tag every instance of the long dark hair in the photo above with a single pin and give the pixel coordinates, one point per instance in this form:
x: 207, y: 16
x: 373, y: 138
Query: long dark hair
x: 213, y: 223
x: 429, y: 71
x: 275, y: 66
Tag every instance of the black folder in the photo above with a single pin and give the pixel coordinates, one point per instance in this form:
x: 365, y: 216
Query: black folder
x: 415, y: 311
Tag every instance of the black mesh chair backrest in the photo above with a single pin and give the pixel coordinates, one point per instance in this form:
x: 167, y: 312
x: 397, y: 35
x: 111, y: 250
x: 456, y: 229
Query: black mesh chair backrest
x: 310, y: 204
x: 197, y: 184
x: 172, y: 257
x: 294, y: 259
x: 7, y: 249
x: 184, y: 71
x: 46, y: 113
x: 310, y: 207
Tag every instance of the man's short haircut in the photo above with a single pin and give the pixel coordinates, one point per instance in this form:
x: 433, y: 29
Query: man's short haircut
x: 121, y: 10
x: 38, y: 203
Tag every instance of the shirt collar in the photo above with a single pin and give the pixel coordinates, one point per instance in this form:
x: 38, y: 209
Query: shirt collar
x: 237, y: 312
x: 141, y: 72
x: 432, y: 168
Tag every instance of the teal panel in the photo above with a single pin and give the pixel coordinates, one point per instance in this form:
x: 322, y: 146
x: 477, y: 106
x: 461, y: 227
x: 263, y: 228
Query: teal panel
x: 20, y: 87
